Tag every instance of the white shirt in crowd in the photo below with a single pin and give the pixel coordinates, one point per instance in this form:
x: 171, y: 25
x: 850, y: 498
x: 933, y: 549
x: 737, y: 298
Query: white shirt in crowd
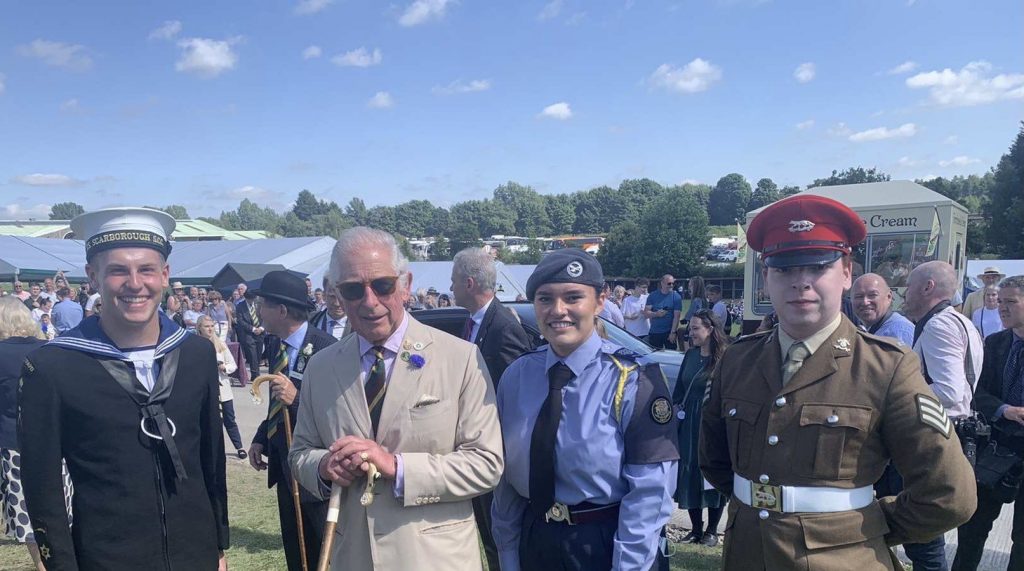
x: 987, y: 321
x: 478, y: 318
x: 91, y: 302
x: 37, y: 314
x: 633, y: 314
x: 942, y: 348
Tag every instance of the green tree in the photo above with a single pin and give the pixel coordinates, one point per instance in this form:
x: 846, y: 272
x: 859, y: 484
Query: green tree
x: 251, y: 216
x: 440, y: 250
x: 307, y: 205
x: 728, y: 201
x: 414, y: 217
x: 65, y: 210
x: 561, y: 212
x: 766, y: 193
x: 440, y: 222
x: 675, y: 236
x: 178, y: 211
x: 700, y: 192
x: 356, y: 210
x: 1006, y: 232
x: 600, y: 209
x: 382, y: 218
x: 531, y: 216
x: 852, y: 175
x: 619, y: 250
x: 788, y: 191
x: 640, y: 192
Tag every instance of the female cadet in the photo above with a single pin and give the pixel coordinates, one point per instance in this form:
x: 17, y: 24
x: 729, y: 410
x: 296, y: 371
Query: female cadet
x: 590, y: 437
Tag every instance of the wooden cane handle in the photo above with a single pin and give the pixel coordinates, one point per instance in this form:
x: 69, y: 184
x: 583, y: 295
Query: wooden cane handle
x: 254, y: 389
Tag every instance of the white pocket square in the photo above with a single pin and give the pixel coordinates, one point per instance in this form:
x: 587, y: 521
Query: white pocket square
x: 426, y: 400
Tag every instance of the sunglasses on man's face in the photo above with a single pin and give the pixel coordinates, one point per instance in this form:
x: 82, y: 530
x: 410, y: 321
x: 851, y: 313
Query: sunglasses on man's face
x: 355, y: 291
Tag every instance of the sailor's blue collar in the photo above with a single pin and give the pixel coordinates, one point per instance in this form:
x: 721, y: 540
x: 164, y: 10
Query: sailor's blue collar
x: 89, y: 337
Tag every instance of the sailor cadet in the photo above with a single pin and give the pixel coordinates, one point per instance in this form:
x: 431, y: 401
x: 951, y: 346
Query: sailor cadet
x: 801, y: 420
x: 590, y: 437
x: 130, y: 400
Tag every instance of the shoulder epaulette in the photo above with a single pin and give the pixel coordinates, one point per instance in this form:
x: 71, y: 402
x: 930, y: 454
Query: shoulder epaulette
x: 754, y: 336
x: 626, y: 354
x: 887, y: 341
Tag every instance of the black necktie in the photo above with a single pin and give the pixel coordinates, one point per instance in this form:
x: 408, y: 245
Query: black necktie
x: 542, y: 442
x: 1013, y: 375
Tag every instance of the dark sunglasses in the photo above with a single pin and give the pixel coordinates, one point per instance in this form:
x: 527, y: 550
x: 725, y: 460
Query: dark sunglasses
x: 355, y: 291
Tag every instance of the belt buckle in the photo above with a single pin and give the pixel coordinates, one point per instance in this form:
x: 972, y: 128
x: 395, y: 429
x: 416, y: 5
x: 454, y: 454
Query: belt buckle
x: 558, y: 512
x: 766, y: 497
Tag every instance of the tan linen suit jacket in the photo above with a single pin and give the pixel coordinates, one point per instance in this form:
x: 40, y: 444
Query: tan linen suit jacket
x: 441, y: 418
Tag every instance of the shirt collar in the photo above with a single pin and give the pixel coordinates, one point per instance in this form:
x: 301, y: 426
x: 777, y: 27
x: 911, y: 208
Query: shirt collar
x: 478, y: 316
x: 89, y: 337
x: 295, y: 339
x: 393, y: 343
x: 579, y: 359
x: 812, y: 342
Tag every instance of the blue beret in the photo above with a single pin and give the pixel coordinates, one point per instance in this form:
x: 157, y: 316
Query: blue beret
x: 568, y: 266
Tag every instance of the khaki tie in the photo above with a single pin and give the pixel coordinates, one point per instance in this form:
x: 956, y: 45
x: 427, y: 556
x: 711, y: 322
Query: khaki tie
x: 794, y: 360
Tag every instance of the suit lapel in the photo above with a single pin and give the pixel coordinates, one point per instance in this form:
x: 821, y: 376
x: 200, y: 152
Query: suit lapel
x: 485, y: 323
x: 351, y: 387
x: 403, y: 385
x: 826, y: 359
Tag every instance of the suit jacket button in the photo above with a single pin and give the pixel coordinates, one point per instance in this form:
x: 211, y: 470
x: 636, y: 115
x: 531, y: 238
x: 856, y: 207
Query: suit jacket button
x: 732, y: 412
x: 781, y: 401
x: 763, y: 514
x: 832, y: 419
x: 419, y: 501
x: 773, y: 440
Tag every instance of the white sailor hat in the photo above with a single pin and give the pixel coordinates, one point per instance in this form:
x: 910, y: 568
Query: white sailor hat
x: 124, y: 227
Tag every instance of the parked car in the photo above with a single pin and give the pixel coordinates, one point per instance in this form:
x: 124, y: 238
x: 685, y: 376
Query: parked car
x: 728, y: 256
x: 453, y: 319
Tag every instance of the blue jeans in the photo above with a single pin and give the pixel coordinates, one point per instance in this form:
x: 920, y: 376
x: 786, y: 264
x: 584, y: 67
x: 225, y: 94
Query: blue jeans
x: 929, y: 556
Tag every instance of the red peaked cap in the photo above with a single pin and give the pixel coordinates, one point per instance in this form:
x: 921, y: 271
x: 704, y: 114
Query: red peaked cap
x: 805, y: 230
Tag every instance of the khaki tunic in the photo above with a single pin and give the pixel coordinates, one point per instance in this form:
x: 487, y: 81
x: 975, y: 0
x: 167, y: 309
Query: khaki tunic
x: 852, y: 407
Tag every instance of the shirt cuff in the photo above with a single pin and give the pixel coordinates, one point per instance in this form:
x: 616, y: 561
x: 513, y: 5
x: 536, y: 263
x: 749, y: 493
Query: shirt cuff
x: 399, y: 477
x: 509, y: 560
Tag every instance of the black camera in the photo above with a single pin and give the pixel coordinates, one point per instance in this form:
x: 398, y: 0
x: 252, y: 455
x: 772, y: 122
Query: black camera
x: 974, y: 434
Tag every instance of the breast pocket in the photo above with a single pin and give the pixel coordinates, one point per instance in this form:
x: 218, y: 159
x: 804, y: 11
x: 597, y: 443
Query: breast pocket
x: 832, y: 435
x: 741, y: 425
x: 432, y: 428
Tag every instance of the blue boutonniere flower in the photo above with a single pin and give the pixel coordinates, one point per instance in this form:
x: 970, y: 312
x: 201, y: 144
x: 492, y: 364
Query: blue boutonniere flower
x: 417, y: 361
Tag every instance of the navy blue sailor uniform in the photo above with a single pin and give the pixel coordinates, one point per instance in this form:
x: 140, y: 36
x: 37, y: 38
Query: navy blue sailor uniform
x: 615, y: 461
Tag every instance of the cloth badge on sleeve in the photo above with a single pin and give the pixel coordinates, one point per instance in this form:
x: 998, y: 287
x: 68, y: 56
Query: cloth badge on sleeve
x: 931, y: 413
x: 661, y: 410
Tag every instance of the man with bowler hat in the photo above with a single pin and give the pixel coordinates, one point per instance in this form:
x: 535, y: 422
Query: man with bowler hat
x: 284, y: 310
x: 801, y: 420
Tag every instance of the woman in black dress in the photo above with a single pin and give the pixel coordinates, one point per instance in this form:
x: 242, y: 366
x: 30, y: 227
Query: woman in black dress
x: 707, y: 342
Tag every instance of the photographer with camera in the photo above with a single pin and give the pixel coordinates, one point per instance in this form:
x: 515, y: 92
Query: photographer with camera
x: 1000, y: 398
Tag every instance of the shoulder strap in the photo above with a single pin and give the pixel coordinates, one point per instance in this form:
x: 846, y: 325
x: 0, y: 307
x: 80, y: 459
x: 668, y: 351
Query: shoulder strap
x: 968, y: 359
x: 620, y: 387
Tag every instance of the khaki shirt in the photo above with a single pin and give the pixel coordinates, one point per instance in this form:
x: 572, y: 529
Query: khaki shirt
x: 853, y: 406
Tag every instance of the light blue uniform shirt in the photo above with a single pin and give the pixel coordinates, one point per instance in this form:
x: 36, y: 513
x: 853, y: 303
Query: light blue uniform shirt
x: 590, y: 456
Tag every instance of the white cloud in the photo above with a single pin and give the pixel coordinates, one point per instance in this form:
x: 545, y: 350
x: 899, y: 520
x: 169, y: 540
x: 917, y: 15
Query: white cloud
x: 459, y: 86
x: 560, y: 111
x: 423, y: 11
x: 550, y: 10
x: 311, y: 6
x: 70, y: 106
x: 908, y: 162
x: 804, y: 125
x: 880, y: 133
x: 167, y: 31
x: 972, y: 85
x: 41, y: 179
x: 959, y: 161
x: 696, y: 76
x: 381, y: 100
x: 905, y: 67
x: 951, y: 140
x: 205, y: 57
x: 360, y: 57
x: 57, y: 54
x: 840, y: 130
x: 2, y: 86
x: 19, y: 212
x: 312, y: 52
x: 804, y: 72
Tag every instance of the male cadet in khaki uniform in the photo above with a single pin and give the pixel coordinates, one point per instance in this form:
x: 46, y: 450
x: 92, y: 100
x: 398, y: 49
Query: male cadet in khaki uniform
x: 798, y: 441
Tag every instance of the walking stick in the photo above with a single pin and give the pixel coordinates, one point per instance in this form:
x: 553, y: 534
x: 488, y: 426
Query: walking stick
x: 334, y: 511
x: 255, y: 392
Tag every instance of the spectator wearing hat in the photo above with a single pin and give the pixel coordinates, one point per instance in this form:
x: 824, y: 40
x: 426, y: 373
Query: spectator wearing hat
x: 990, y: 276
x: 800, y: 421
x: 130, y: 400
x: 284, y: 311
x: 590, y: 437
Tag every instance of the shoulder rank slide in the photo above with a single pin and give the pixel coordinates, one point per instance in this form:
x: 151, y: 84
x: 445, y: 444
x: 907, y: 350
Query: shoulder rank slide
x: 931, y: 413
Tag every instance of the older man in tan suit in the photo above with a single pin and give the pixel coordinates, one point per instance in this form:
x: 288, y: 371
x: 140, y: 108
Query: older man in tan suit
x: 415, y: 402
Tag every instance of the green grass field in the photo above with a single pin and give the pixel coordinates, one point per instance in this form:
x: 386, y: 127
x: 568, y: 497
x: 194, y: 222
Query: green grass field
x: 255, y: 533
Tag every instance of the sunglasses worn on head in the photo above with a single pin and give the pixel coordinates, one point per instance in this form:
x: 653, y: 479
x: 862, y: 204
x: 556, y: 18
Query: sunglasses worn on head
x: 355, y: 291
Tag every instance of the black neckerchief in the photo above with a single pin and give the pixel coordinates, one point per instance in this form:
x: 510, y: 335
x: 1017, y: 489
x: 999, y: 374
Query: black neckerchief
x: 878, y: 324
x: 919, y: 326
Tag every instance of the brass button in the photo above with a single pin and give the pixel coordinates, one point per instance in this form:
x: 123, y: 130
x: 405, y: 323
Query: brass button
x: 781, y: 401
x: 732, y: 412
x: 832, y: 419
x: 763, y: 514
x: 763, y: 479
x: 419, y: 501
x: 773, y: 440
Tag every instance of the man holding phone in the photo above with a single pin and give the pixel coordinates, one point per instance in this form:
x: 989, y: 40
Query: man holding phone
x: 663, y: 308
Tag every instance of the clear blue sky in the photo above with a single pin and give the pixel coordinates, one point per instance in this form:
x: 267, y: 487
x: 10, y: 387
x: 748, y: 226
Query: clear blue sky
x: 203, y: 103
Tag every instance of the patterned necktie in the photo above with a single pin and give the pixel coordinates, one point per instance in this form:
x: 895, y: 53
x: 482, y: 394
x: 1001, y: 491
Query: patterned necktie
x: 1013, y: 374
x: 467, y: 329
x: 276, y: 406
x: 543, y: 440
x: 253, y: 314
x: 794, y: 360
x: 376, y: 387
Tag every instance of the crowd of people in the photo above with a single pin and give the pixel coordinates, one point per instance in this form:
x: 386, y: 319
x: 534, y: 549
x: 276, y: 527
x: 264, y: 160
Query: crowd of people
x: 828, y: 437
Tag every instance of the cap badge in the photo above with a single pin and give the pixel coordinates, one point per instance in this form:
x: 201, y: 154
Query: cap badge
x: 801, y: 225
x: 574, y: 269
x: 843, y: 344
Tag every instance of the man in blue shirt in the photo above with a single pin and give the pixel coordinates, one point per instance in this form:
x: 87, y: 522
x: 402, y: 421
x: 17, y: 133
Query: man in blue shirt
x: 872, y: 303
x: 66, y: 313
x: 663, y: 308
x: 590, y: 438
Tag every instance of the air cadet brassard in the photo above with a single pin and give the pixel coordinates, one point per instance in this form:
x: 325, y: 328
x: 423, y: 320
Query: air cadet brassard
x: 130, y: 401
x: 800, y: 421
x: 590, y: 437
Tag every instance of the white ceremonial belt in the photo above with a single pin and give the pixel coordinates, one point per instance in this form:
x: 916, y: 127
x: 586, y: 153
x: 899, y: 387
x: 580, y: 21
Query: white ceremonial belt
x: 795, y: 499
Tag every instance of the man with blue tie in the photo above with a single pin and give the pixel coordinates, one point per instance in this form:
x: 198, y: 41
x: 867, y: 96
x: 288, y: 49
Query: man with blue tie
x: 331, y: 319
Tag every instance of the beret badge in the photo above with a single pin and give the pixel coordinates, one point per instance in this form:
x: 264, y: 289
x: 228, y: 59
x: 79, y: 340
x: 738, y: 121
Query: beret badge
x: 574, y: 269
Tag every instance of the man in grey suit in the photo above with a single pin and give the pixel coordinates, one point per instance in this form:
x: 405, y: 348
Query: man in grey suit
x: 411, y: 400
x: 501, y: 338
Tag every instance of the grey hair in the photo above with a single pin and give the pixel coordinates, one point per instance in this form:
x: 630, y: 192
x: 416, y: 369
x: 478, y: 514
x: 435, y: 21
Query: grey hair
x: 361, y: 238
x: 477, y: 264
x: 1014, y: 282
x: 16, y: 320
